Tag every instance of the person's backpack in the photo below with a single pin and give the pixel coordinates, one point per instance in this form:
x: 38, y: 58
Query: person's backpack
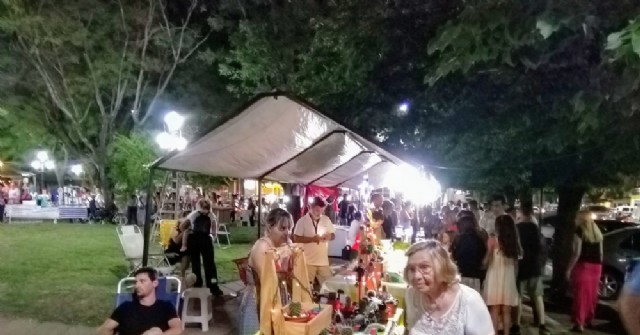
x: 202, y: 223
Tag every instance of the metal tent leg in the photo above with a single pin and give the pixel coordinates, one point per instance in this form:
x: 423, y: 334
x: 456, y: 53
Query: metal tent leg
x: 147, y: 218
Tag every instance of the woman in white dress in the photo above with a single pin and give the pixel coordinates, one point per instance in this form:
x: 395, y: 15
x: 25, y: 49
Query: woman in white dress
x: 500, y: 290
x: 436, y: 302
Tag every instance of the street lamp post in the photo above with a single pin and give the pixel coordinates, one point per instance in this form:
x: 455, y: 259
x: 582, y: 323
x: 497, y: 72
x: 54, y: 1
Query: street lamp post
x: 169, y: 139
x: 41, y: 164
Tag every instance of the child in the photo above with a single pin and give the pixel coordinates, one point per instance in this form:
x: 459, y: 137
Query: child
x: 447, y: 239
x: 176, y: 244
x: 500, y: 291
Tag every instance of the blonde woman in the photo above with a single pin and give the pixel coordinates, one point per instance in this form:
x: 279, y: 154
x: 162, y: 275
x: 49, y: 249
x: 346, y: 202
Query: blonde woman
x: 585, y: 267
x: 436, y: 302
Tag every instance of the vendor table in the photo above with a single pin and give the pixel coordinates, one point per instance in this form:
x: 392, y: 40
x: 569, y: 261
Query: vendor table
x: 73, y: 212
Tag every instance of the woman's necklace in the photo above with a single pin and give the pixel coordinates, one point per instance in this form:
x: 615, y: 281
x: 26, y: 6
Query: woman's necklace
x: 431, y: 307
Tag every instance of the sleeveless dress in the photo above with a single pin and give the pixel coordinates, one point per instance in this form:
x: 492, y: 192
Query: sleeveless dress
x: 500, y: 283
x: 249, y: 321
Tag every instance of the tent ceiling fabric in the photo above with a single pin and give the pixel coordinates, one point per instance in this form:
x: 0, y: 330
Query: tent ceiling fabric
x: 283, y: 139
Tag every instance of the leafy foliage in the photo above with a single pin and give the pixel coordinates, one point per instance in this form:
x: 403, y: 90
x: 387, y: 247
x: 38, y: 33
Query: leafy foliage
x: 128, y: 162
x: 206, y: 182
x: 95, y: 69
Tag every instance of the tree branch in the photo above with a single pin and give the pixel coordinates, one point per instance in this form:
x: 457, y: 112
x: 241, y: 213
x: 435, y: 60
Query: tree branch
x: 143, y: 54
x: 94, y: 81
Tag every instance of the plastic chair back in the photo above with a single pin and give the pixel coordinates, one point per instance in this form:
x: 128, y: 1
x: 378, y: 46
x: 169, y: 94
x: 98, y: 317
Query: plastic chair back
x: 168, y: 290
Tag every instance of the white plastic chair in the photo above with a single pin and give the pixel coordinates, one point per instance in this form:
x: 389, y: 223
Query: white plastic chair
x: 132, y: 242
x: 222, y: 230
x: 169, y: 289
x: 202, y: 315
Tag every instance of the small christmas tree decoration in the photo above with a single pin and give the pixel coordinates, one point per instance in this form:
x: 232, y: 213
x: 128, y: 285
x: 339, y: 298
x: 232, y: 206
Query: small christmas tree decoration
x: 295, y: 309
x: 346, y: 331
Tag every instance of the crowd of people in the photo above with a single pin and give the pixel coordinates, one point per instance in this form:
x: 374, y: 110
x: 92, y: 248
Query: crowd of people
x: 468, y: 276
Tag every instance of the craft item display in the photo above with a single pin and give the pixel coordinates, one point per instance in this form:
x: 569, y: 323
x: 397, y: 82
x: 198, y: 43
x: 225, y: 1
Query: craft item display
x: 300, y: 316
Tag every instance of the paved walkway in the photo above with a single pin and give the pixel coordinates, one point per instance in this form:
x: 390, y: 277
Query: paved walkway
x: 226, y: 312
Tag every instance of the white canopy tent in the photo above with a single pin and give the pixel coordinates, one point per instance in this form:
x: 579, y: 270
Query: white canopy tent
x: 283, y: 138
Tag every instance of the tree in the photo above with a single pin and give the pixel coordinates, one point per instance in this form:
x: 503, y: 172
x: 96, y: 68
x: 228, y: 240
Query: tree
x: 128, y: 163
x: 566, y: 115
x: 99, y: 68
x: 504, y: 95
x: 206, y: 182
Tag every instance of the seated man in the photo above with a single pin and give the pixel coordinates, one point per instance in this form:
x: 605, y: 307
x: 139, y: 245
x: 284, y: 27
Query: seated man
x: 145, y: 315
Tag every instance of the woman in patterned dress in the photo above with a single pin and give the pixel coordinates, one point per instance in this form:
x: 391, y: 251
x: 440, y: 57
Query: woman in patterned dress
x: 437, y: 304
x: 279, y: 225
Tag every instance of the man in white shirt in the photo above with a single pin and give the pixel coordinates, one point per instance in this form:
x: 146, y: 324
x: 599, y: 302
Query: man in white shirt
x: 315, y: 230
x: 488, y: 221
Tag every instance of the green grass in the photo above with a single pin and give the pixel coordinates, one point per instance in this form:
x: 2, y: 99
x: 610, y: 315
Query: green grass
x: 69, y: 272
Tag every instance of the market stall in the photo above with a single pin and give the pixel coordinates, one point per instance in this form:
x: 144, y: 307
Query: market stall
x: 278, y: 137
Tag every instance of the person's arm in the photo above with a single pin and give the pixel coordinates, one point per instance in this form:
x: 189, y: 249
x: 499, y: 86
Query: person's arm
x: 175, y: 327
x: 108, y: 327
x: 305, y: 239
x: 298, y: 234
x: 478, y: 319
x: 185, y: 238
x: 488, y: 257
x: 257, y: 257
x: 629, y: 302
x: 575, y: 255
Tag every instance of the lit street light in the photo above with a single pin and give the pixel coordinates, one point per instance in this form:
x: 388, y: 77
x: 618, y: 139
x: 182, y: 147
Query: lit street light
x: 174, y: 121
x: 403, y: 109
x: 77, y: 169
x: 42, y: 163
x: 172, y: 139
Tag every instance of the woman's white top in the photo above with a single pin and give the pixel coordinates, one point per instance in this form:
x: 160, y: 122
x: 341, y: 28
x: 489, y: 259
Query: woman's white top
x: 467, y: 315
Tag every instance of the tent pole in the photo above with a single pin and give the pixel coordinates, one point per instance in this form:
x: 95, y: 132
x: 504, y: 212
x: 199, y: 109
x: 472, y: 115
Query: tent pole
x: 147, y: 219
x: 259, y: 205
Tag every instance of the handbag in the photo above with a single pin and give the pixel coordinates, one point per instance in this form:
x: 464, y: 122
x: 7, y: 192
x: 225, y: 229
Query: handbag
x: 349, y: 254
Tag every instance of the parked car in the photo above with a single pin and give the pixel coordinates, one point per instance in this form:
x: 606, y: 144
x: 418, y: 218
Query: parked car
x: 600, y: 212
x: 619, y: 246
x: 623, y: 212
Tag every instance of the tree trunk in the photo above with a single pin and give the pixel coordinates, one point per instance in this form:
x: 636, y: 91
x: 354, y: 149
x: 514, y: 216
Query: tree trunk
x: 525, y: 194
x: 569, y: 200
x: 510, y: 194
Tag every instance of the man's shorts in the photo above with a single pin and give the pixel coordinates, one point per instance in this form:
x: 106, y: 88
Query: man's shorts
x: 531, y: 287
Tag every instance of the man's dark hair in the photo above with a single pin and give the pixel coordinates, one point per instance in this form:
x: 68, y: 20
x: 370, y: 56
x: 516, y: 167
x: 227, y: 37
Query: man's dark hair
x: 376, y: 195
x: 318, y: 201
x: 151, y: 272
x: 377, y: 216
x: 473, y: 203
x: 526, y: 207
x: 357, y: 215
x: 498, y: 197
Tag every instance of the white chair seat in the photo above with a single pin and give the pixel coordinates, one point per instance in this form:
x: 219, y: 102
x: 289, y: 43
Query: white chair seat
x: 189, y: 315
